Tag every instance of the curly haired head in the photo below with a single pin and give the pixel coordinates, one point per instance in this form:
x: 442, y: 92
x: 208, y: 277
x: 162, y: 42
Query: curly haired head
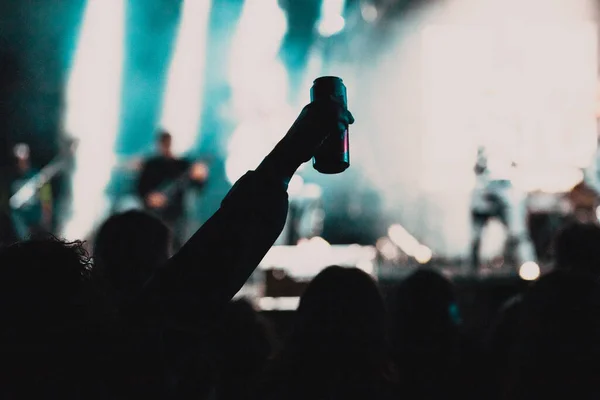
x: 42, y: 281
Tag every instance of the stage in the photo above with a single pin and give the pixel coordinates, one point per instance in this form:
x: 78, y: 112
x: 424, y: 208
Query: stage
x: 277, y: 284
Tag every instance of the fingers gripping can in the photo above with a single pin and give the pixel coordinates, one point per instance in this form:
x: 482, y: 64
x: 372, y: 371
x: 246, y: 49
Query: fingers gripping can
x: 333, y: 157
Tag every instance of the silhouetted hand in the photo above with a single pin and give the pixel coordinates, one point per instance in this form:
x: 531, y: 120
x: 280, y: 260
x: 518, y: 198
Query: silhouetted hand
x: 315, y: 123
x: 156, y: 200
x: 199, y: 172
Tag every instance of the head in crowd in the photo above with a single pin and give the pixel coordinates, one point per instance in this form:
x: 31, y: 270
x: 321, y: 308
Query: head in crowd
x: 129, y: 247
x: 424, y: 310
x: 577, y: 248
x: 164, y: 143
x: 556, y: 352
x: 338, y: 346
x: 43, y: 284
x: 424, y: 320
x: 48, y: 337
x: 342, y: 307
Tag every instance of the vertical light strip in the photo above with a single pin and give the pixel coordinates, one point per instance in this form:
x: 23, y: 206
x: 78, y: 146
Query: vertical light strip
x: 182, y: 106
x: 259, y: 85
x: 93, y: 109
x: 257, y: 76
x: 332, y: 17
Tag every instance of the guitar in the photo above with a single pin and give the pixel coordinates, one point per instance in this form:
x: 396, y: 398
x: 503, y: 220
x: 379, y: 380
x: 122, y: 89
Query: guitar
x: 27, y: 192
x: 160, y: 198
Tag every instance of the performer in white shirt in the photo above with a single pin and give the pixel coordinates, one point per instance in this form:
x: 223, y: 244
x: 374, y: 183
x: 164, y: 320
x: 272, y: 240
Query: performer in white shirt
x: 495, y: 196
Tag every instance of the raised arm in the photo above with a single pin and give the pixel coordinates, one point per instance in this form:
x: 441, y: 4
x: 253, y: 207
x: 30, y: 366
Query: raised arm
x: 214, y: 264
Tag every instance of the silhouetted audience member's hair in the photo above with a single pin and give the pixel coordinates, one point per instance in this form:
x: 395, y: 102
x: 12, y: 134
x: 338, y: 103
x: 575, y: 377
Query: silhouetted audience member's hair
x: 557, y: 352
x: 577, y: 248
x: 129, y: 247
x: 245, y: 341
x: 424, y: 310
x: 46, y: 326
x: 338, y: 348
x: 41, y: 282
x: 501, y: 338
x: 425, y: 335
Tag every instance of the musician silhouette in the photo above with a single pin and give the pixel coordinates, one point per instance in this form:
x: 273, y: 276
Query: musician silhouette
x: 163, y: 182
x: 34, y: 214
x: 495, y: 196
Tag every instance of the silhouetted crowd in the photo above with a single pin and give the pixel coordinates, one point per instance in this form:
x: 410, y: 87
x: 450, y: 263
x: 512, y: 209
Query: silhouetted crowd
x: 135, y: 321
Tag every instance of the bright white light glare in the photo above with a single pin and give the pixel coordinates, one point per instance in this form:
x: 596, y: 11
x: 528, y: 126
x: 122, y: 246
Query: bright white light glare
x: 247, y: 146
x: 258, y: 79
x: 366, y: 266
x: 311, y: 256
x: 388, y: 250
x: 259, y: 86
x: 182, y: 105
x: 25, y: 193
x: 493, y: 240
x: 598, y: 213
x: 529, y: 271
x: 93, y: 110
x: 369, y: 12
x: 21, y: 151
x: 296, y: 185
x: 252, y: 140
x: 312, y: 191
x: 332, y: 20
x: 549, y: 178
x: 318, y: 242
x: 278, y: 303
x: 403, y: 239
x: 423, y: 254
x: 332, y: 26
x: 519, y: 75
x: 536, y: 107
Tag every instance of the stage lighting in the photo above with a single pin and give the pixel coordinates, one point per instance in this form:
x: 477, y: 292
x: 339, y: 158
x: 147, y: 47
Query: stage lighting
x: 332, y: 20
x: 257, y: 76
x: 423, y: 254
x: 387, y: 249
x: 92, y: 111
x: 278, y: 303
x: 369, y: 12
x: 182, y: 106
x: 295, y: 186
x: 403, y: 239
x: 529, y: 271
x: 366, y: 266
